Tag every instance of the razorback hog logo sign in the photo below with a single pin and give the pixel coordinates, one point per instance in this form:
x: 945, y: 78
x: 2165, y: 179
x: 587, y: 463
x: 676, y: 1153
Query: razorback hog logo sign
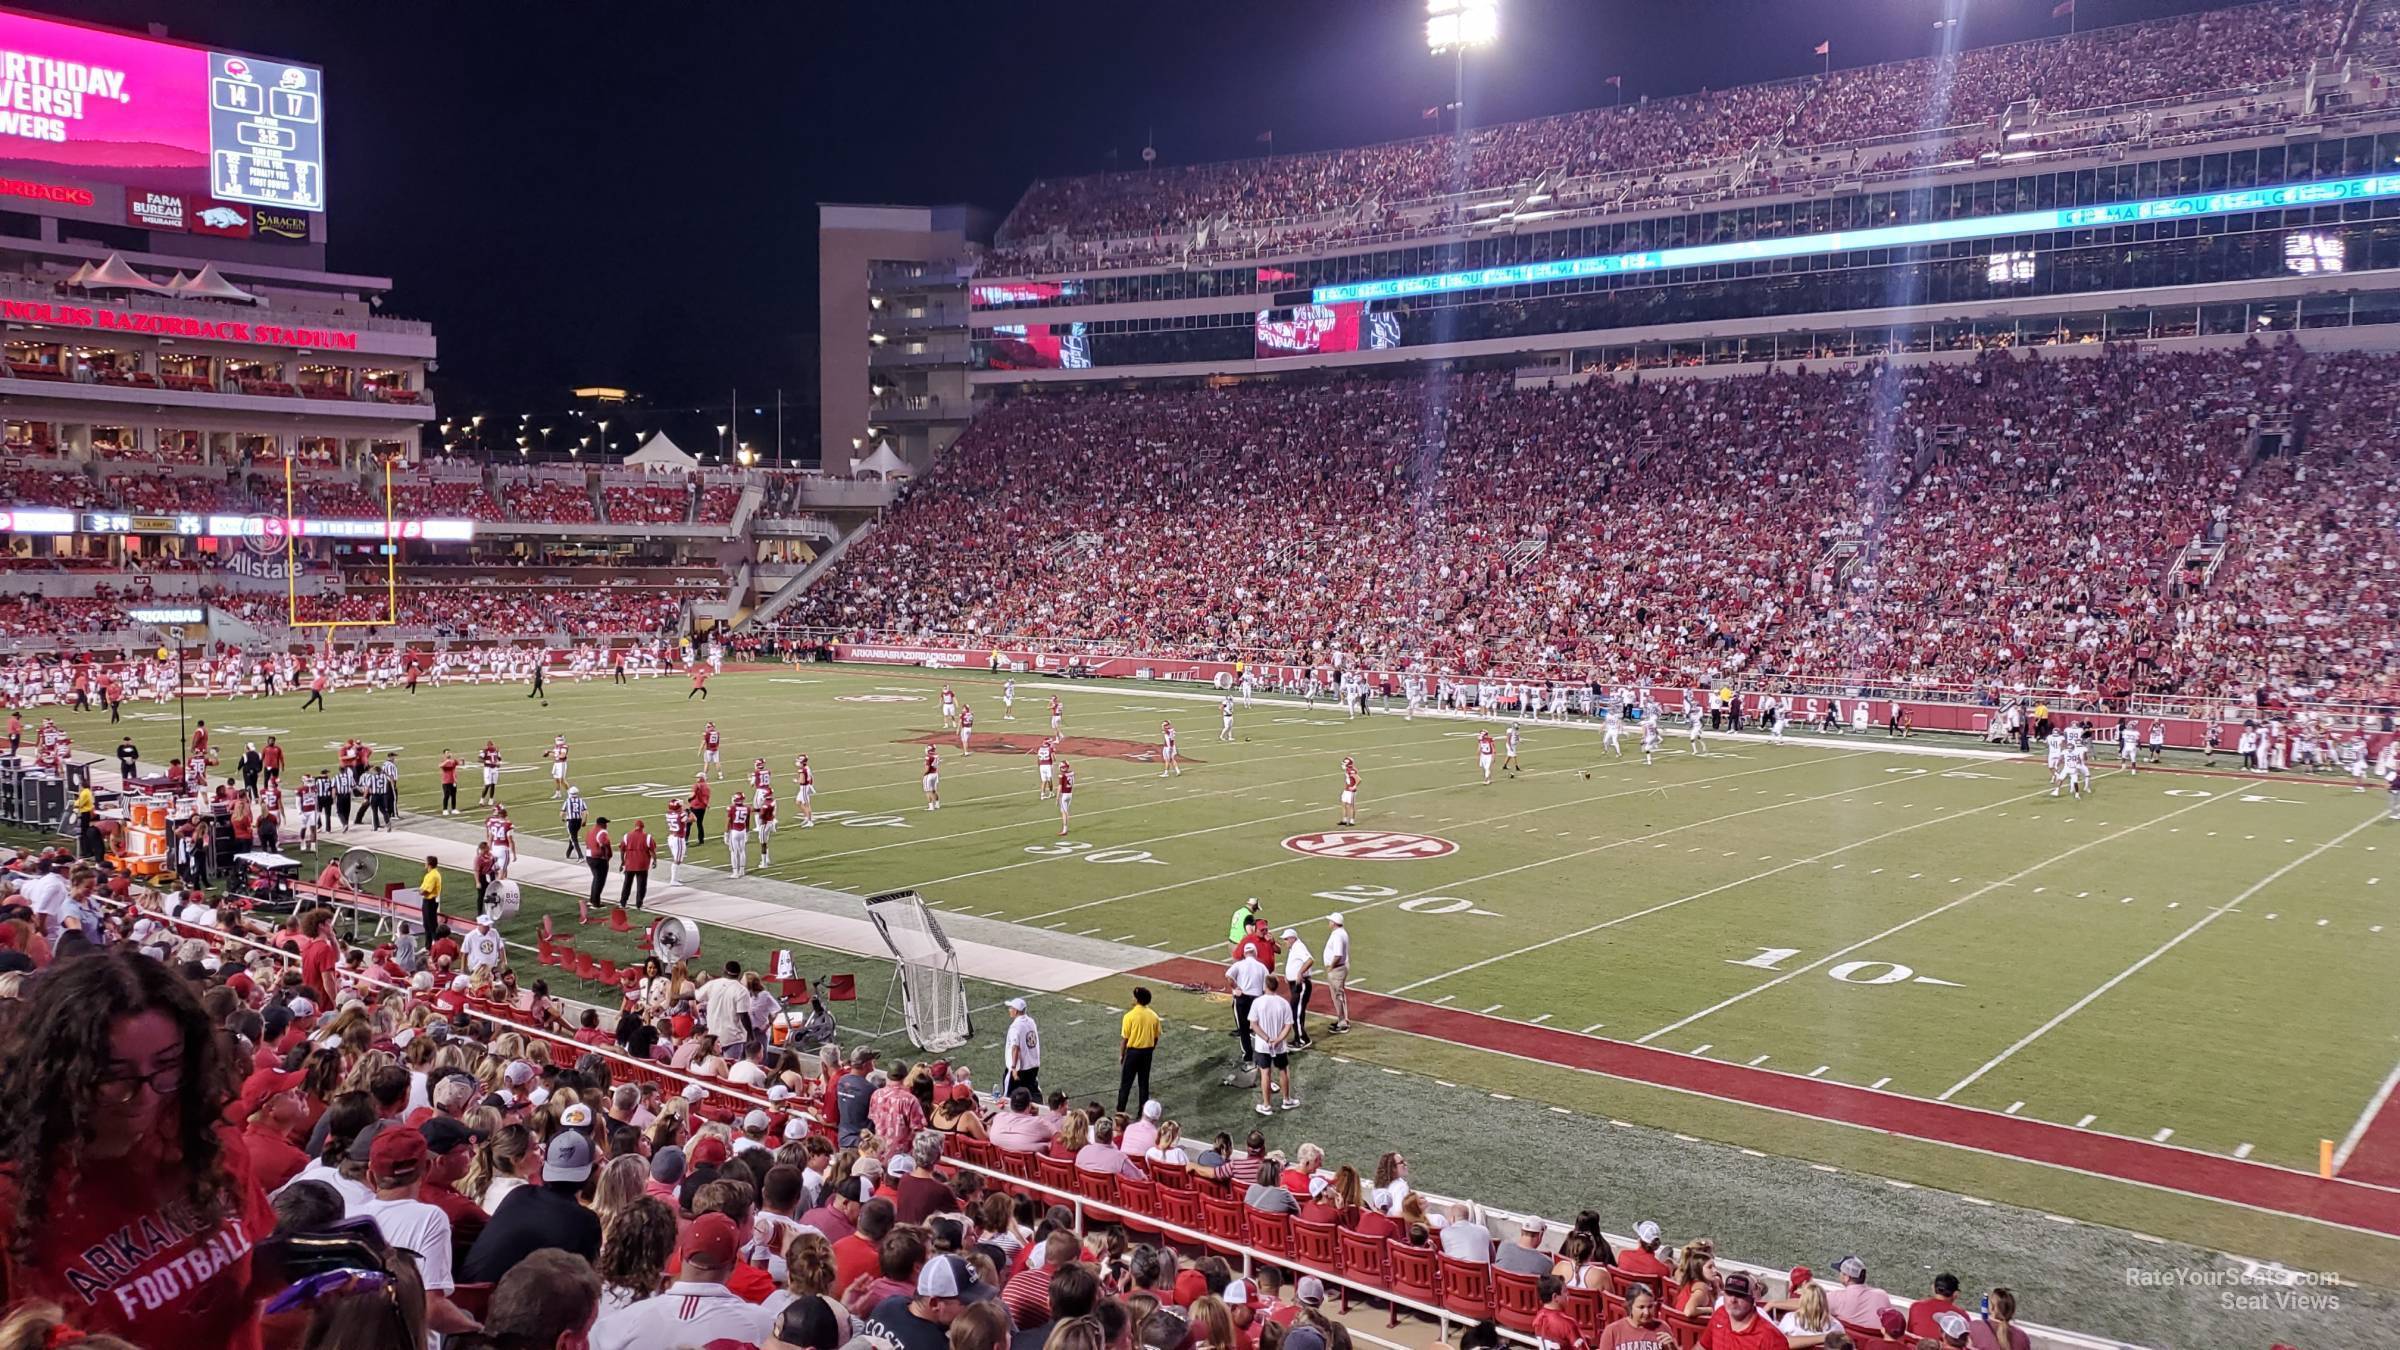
x: 1370, y: 845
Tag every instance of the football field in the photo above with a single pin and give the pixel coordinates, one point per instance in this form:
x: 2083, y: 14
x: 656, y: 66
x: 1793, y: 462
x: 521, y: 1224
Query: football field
x: 2183, y: 958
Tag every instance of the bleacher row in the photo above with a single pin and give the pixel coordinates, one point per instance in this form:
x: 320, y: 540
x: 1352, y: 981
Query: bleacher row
x: 1173, y: 1205
x: 2018, y: 521
x: 2246, y: 48
x: 117, y: 484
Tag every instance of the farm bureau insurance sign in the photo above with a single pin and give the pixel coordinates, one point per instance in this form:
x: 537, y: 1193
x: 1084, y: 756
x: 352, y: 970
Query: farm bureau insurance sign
x: 171, y: 325
x: 1370, y: 845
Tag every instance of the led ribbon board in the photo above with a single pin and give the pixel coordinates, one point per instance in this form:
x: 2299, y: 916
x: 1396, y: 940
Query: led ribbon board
x: 2375, y: 187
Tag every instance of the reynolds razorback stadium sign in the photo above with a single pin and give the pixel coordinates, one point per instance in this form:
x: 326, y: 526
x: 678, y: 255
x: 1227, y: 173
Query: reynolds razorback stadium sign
x: 59, y: 193
x: 172, y: 325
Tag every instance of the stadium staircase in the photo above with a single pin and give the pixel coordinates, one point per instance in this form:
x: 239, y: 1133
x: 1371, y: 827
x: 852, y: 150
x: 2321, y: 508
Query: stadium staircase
x: 1521, y: 554
x: 798, y: 586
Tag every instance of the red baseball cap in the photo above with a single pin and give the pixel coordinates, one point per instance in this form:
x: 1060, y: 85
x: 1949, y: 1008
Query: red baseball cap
x: 710, y: 1150
x: 265, y: 1083
x: 713, y: 1240
x: 397, y: 1155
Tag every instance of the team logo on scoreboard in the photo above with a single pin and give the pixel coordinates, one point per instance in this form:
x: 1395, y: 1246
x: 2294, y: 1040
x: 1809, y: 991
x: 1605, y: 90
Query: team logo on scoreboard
x: 270, y: 536
x: 1370, y: 845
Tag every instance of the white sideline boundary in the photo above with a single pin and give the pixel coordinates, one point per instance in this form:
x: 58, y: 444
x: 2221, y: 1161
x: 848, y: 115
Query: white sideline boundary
x: 1284, y: 702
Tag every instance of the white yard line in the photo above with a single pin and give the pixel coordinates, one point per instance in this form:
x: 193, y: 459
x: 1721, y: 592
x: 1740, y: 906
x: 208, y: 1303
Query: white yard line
x: 1936, y: 912
x: 2161, y: 950
x: 2375, y: 1104
x: 1713, y: 890
x: 1318, y: 812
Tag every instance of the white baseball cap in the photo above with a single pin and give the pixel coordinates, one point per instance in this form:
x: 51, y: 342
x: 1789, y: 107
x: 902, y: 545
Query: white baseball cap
x: 1334, y: 919
x: 1237, y: 1294
x: 1016, y: 1005
x: 1290, y: 934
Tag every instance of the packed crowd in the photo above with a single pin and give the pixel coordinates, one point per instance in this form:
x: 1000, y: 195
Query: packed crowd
x: 2247, y: 47
x: 548, y: 499
x: 646, y: 503
x: 2015, y: 521
x: 338, y: 1147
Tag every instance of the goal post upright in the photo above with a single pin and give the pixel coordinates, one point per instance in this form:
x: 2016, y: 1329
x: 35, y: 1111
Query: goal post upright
x: 290, y: 526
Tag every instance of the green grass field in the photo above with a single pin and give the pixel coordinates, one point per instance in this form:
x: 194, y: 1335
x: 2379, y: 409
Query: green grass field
x: 2202, y: 955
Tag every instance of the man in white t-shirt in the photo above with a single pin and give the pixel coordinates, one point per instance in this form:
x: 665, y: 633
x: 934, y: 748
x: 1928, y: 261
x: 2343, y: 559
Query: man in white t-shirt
x: 697, y: 1309
x: 1022, y: 1057
x: 396, y: 1164
x: 483, y: 949
x: 724, y: 1002
x: 1271, y: 1046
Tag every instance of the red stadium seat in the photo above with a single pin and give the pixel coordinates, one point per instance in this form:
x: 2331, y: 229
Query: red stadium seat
x: 1466, y: 1287
x: 1224, y: 1219
x: 1270, y: 1233
x: 1515, y: 1299
x: 1317, y: 1245
x: 1100, y: 1186
x: 1178, y: 1206
x: 1588, y: 1308
x: 1412, y: 1273
x: 1057, y: 1173
x: 1364, y: 1259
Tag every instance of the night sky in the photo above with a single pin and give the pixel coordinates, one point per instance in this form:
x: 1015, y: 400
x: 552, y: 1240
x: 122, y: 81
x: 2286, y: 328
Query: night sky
x: 618, y: 193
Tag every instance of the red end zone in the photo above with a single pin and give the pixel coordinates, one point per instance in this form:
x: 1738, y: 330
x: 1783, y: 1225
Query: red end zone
x: 2353, y: 1200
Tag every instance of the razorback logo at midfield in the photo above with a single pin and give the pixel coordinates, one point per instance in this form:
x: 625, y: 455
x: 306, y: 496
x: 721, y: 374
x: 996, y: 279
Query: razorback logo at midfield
x: 1370, y: 845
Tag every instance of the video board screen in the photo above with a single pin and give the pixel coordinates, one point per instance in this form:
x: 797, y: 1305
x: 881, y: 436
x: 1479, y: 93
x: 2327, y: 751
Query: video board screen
x: 1313, y: 330
x: 159, y: 116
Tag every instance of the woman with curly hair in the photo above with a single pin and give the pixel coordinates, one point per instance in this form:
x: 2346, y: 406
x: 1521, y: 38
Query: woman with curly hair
x: 634, y: 1249
x: 123, y: 1191
x: 809, y: 1268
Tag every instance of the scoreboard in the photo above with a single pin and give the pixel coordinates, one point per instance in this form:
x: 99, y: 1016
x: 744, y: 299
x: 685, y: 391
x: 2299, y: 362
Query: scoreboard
x: 160, y: 120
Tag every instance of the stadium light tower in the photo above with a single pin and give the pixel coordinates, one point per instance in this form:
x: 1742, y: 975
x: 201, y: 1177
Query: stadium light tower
x: 1454, y: 26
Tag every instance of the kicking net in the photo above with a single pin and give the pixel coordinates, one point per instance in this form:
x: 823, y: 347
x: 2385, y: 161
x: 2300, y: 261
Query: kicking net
x: 925, y: 978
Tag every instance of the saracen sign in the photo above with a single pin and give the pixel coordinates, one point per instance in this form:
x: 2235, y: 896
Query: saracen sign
x: 169, y: 325
x: 1370, y: 845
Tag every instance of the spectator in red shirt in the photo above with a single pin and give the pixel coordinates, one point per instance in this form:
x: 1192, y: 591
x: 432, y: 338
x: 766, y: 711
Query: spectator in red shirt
x: 276, y: 1112
x: 636, y: 852
x: 1641, y: 1262
x: 1737, y: 1324
x: 318, y: 956
x: 1922, y: 1312
x: 118, y: 1123
x: 1554, y: 1326
x: 859, y: 1253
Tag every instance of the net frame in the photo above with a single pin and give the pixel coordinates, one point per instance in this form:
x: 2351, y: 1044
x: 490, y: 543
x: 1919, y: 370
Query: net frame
x: 925, y: 974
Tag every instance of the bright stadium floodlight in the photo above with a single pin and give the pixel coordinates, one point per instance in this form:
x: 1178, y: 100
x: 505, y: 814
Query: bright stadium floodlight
x: 1456, y: 25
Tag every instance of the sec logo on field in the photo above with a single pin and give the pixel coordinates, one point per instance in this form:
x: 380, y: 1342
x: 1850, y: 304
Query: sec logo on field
x: 880, y: 698
x: 1370, y: 845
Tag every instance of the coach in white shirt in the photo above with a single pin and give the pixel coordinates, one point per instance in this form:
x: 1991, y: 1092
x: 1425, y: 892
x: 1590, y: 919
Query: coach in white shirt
x: 1248, y: 976
x: 1337, y: 970
x: 1022, y: 1057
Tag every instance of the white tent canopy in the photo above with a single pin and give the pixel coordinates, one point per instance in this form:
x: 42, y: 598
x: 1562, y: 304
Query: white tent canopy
x: 211, y: 284
x: 885, y: 463
x: 114, y: 274
x: 661, y: 453
x: 81, y: 272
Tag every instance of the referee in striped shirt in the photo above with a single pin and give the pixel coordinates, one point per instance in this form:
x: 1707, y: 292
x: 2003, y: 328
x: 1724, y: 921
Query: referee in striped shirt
x: 1137, y: 1041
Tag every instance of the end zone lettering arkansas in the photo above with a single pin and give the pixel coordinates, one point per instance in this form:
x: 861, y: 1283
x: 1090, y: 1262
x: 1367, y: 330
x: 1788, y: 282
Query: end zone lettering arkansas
x: 84, y: 316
